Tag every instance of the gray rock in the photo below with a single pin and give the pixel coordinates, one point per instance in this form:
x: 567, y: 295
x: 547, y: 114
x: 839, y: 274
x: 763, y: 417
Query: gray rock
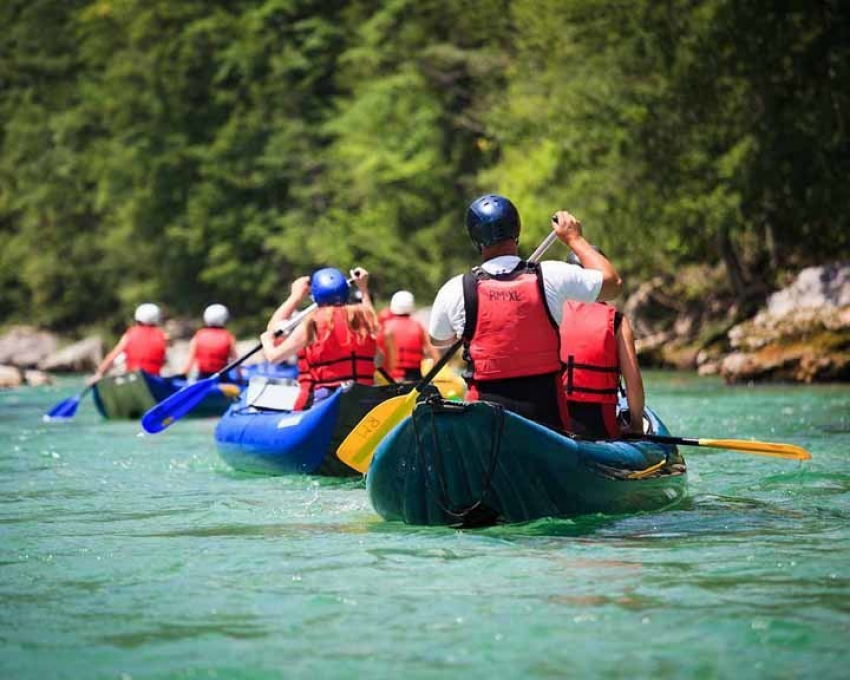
x: 81, y: 357
x: 826, y: 286
x: 26, y: 347
x: 10, y: 376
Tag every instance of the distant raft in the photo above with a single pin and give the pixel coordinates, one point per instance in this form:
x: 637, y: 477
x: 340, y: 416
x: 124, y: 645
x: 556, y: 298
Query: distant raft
x: 475, y: 464
x: 254, y: 438
x: 130, y: 395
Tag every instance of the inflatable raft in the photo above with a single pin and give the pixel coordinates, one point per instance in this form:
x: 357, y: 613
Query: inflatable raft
x: 474, y: 464
x: 132, y: 394
x: 254, y: 438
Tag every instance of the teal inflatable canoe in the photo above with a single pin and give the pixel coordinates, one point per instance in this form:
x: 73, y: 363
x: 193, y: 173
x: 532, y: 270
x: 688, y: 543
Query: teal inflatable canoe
x: 474, y: 464
x: 130, y: 395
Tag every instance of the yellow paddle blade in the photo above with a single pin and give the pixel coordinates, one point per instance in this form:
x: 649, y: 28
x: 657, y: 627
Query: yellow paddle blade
x: 788, y: 451
x: 360, y: 444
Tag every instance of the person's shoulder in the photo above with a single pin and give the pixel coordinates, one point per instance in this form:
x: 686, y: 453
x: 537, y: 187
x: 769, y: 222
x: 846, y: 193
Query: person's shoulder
x: 556, y: 268
x: 452, y: 283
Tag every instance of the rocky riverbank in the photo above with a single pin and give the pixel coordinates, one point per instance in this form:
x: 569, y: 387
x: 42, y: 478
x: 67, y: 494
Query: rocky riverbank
x: 30, y: 356
x: 801, y: 333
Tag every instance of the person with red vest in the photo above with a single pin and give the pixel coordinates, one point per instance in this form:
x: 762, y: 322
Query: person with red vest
x: 407, y: 341
x: 143, y: 345
x: 508, y: 311
x: 597, y: 346
x: 338, y: 340
x: 212, y: 347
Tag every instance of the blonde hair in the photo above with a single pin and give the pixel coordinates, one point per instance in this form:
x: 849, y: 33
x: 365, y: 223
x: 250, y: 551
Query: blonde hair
x: 359, y: 320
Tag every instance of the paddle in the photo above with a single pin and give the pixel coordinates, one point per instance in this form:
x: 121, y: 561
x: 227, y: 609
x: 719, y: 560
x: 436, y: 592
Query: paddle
x: 180, y: 403
x: 360, y: 444
x: 67, y: 408
x: 787, y: 451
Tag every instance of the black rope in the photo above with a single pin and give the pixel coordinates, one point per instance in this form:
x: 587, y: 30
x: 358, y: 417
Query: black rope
x: 495, y: 449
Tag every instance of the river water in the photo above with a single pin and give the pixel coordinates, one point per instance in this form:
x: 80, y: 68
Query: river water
x: 124, y: 556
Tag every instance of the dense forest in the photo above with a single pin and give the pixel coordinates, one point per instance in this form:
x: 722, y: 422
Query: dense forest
x: 197, y: 151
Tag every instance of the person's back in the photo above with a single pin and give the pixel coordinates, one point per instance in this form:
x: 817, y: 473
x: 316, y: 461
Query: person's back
x: 145, y: 349
x: 212, y: 349
x: 407, y: 338
x: 143, y: 345
x: 343, y: 348
x: 597, y: 349
x: 512, y: 344
x: 591, y: 376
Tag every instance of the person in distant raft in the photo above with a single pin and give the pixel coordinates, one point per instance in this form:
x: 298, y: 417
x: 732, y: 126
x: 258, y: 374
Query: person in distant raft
x: 597, y: 346
x: 405, y: 339
x: 336, y: 343
x: 212, y: 347
x: 143, y: 345
x: 508, y: 311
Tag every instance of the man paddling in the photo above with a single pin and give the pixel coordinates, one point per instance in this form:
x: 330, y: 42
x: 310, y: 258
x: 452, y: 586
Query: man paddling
x: 509, y: 311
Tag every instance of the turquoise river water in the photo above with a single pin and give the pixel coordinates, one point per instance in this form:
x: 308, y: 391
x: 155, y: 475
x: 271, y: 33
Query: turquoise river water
x: 124, y: 556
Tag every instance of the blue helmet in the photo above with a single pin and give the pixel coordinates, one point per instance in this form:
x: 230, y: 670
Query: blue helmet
x: 329, y: 287
x: 491, y: 219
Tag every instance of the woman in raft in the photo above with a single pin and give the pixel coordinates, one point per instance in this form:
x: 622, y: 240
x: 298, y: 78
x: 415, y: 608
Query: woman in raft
x: 336, y: 343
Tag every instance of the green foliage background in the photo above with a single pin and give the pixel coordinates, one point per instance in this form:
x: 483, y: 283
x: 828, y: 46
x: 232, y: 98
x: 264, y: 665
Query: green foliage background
x: 189, y: 152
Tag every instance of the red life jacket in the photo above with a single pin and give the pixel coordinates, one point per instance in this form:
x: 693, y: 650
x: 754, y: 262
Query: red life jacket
x: 145, y: 349
x: 305, y: 382
x: 509, y: 330
x: 589, y: 352
x: 339, y: 354
x: 409, y: 341
x: 212, y: 349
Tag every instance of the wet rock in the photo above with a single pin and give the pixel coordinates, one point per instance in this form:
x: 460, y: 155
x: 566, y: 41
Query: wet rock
x: 802, y: 335
x: 26, y: 347
x: 81, y: 357
x: 10, y: 377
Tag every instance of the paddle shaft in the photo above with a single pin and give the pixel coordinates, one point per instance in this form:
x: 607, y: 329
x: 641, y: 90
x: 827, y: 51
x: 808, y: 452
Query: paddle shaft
x: 776, y: 450
x: 288, y: 327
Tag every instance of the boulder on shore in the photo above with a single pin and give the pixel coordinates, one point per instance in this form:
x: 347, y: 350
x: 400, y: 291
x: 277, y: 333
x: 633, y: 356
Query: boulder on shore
x: 80, y: 357
x: 26, y: 347
x: 10, y: 377
x: 803, y: 334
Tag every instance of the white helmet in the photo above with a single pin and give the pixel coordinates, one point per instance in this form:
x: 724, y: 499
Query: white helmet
x: 216, y: 315
x: 148, y: 314
x: 402, y: 302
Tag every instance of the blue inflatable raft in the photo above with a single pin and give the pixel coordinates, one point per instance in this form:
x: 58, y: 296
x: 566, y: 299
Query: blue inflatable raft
x: 474, y: 464
x: 269, y: 441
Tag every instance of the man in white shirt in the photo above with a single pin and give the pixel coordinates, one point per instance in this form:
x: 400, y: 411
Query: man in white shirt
x: 508, y: 311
